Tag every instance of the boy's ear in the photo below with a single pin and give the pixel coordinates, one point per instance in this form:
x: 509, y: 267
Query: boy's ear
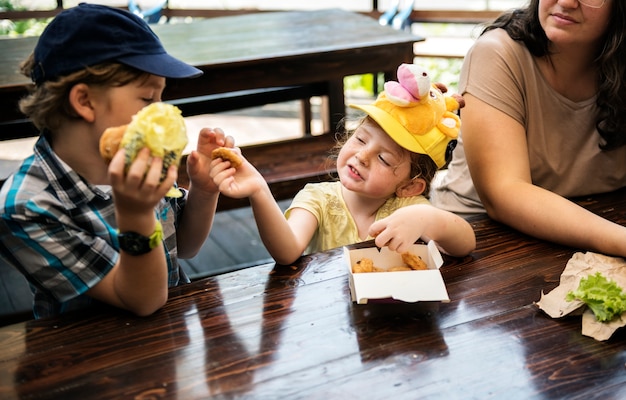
x: 413, y: 187
x: 80, y: 100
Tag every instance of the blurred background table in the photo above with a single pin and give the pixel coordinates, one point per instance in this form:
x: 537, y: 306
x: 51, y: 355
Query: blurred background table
x: 292, y: 332
x: 250, y: 60
x: 254, y: 51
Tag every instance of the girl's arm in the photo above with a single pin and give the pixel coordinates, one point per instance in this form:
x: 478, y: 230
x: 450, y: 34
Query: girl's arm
x: 284, y: 240
x: 400, y: 230
x: 497, y: 157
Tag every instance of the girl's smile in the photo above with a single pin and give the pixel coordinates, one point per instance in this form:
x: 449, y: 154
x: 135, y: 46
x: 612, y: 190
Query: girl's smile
x: 371, y: 163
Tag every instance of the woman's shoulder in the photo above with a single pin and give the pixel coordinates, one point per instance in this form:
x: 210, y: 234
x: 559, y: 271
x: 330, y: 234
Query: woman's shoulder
x: 498, y: 41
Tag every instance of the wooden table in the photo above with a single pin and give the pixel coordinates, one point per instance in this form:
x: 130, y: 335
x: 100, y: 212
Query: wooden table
x: 255, y: 51
x: 291, y: 332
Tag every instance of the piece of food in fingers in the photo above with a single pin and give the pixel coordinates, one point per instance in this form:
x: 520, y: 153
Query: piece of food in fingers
x: 158, y: 126
x: 227, y: 154
x: 110, y: 141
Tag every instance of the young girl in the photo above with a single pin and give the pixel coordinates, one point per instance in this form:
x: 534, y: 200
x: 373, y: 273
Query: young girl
x: 63, y: 213
x: 380, y: 194
x: 544, y: 121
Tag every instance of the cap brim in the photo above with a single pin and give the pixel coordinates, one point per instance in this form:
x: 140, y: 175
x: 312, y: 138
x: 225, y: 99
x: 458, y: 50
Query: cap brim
x: 393, y: 128
x: 161, y: 65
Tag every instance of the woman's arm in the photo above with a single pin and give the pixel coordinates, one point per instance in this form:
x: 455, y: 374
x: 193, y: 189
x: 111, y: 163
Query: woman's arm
x: 497, y: 157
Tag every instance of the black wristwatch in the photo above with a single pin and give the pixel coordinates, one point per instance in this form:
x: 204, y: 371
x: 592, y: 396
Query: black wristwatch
x: 136, y: 244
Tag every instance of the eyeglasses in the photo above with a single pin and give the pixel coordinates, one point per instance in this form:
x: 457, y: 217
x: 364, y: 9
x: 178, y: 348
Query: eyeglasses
x: 592, y: 3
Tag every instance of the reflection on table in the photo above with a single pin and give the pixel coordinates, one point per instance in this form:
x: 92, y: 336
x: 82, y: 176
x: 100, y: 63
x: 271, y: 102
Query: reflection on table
x: 275, y: 331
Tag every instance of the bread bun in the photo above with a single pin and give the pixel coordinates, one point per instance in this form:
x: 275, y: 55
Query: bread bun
x: 110, y: 141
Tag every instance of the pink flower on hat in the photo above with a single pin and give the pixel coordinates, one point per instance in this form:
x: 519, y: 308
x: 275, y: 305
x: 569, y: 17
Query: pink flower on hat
x: 413, y: 84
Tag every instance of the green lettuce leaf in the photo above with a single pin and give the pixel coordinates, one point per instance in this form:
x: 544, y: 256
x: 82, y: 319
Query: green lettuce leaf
x: 604, y: 297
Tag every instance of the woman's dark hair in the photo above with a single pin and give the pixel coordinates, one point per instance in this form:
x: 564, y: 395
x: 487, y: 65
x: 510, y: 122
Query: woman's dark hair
x: 48, y: 104
x: 523, y: 25
x: 422, y: 166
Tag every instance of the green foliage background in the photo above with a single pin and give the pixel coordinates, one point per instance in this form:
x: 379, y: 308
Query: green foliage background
x: 26, y: 27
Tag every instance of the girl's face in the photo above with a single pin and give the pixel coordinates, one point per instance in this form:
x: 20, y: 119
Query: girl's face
x: 569, y: 22
x: 372, y: 164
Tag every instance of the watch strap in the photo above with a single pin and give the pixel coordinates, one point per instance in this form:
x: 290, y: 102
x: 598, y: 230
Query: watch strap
x: 157, y: 236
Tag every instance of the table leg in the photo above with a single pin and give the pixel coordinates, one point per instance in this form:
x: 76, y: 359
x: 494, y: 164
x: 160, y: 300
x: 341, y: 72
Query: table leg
x: 334, y: 107
x: 306, y: 116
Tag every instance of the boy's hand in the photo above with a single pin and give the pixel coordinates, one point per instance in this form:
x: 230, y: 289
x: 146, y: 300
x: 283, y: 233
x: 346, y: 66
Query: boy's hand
x: 138, y: 190
x: 199, y: 161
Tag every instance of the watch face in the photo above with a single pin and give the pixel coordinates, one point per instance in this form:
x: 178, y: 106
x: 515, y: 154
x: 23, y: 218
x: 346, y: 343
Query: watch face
x: 134, y: 243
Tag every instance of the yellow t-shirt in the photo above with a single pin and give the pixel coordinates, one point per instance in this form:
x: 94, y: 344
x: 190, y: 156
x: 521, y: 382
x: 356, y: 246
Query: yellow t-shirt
x: 336, y: 226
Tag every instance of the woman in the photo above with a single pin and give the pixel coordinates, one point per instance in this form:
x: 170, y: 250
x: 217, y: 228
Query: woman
x: 544, y: 120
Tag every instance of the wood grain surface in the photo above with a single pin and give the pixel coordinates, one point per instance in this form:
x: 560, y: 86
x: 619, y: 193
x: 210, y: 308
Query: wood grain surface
x: 291, y: 331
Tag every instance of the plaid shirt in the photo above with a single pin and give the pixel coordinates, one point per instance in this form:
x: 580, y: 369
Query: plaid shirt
x: 60, y: 231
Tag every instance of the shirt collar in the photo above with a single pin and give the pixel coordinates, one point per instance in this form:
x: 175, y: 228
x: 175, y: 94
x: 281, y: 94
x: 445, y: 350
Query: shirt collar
x: 72, y: 190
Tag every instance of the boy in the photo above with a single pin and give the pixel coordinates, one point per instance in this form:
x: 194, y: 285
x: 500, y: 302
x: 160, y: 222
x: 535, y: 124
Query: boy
x: 63, y: 213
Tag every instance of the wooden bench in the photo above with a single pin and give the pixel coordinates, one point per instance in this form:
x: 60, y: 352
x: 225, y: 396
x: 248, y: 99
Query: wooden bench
x: 14, y: 125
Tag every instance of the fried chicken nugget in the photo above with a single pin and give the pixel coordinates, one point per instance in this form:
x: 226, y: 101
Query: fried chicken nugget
x: 413, y: 261
x: 227, y: 154
x: 398, y: 268
x: 363, y: 265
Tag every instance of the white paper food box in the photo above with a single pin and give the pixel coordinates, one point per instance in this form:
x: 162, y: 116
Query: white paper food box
x: 407, y: 286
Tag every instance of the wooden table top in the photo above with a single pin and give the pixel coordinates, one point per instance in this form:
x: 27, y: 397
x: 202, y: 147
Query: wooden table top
x: 252, y: 51
x: 275, y: 331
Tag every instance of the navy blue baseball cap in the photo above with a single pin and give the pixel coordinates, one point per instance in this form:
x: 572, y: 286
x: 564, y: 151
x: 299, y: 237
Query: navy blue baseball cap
x: 90, y: 34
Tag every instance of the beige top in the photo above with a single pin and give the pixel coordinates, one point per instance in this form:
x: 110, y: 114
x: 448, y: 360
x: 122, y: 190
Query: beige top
x: 562, y: 139
x: 336, y: 227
